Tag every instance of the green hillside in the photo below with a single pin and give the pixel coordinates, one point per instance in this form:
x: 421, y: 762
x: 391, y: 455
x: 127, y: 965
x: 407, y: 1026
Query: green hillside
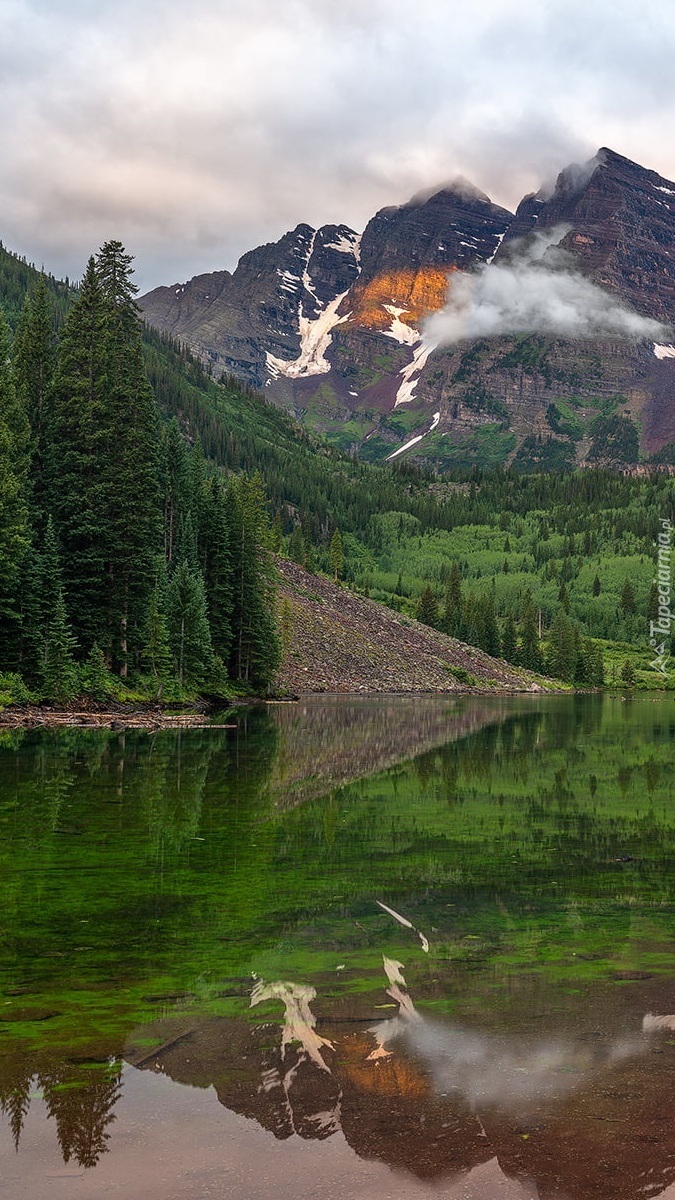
x: 562, y: 543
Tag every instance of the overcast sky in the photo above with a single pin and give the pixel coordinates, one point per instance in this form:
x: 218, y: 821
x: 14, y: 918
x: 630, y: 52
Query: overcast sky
x: 194, y: 131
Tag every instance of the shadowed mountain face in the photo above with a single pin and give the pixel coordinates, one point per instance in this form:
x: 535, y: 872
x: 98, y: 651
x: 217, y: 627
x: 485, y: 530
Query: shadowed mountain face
x: 621, y: 221
x: 332, y: 326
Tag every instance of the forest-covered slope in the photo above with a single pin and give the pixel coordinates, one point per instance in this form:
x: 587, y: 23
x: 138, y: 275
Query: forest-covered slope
x: 488, y: 548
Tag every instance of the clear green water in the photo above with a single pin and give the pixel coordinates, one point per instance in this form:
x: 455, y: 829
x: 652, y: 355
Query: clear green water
x: 202, y: 907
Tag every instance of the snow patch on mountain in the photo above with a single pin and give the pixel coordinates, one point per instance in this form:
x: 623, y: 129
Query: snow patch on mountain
x: 315, y: 338
x: 664, y: 351
x: 306, y: 279
x: 399, y: 331
x: 289, y: 281
x: 500, y: 239
x: 346, y: 244
x: 315, y: 332
x: 406, y: 446
x: 412, y: 442
x: 410, y: 373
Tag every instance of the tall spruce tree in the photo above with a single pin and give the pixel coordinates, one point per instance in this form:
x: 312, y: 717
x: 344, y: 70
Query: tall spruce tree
x: 175, y: 482
x: 14, y: 532
x: 189, y: 627
x: 563, y: 648
x: 509, y: 640
x: 336, y: 554
x: 34, y: 360
x: 55, y: 643
x: 216, y: 565
x: 156, y: 655
x: 490, y: 640
x: 452, y: 614
x: 131, y: 473
x: 530, y: 650
x: 628, y: 597
x: 75, y: 475
x: 256, y: 650
x: 427, y: 607
x: 102, y: 471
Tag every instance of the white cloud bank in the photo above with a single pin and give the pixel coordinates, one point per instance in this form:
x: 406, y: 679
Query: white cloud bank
x: 194, y: 132
x: 537, y: 289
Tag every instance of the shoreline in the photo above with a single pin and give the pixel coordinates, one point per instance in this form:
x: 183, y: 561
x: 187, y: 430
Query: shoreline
x: 28, y: 717
x: 120, y: 719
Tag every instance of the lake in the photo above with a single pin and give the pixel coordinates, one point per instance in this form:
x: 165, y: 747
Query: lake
x: 379, y: 948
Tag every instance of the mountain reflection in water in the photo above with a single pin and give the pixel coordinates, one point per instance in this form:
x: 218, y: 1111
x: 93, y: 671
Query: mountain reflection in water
x: 211, y: 907
x: 439, y: 1100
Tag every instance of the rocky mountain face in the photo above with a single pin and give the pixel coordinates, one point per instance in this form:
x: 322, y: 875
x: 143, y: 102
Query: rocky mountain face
x: 332, y: 325
x: 243, y: 323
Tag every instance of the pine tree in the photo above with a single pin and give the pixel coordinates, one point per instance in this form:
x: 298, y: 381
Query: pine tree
x: 59, y: 673
x: 185, y: 549
x: 452, y: 613
x: 596, y: 586
x: 256, y: 650
x: 277, y: 536
x: 175, y: 483
x: 336, y: 554
x: 509, y: 640
x: 628, y: 673
x: 590, y: 664
x: 562, y: 657
x: 95, y: 677
x: 14, y: 533
x: 427, y: 607
x: 628, y: 597
x: 189, y: 627
x: 216, y: 566
x: 530, y: 652
x: 285, y: 625
x: 156, y: 654
x: 296, y: 546
x: 653, y: 603
x: 52, y: 634
x: 310, y: 552
x: 132, y: 469
x: 490, y: 641
x: 75, y: 450
x: 34, y: 359
x: 30, y: 591
x: 49, y: 590
x: 102, y: 470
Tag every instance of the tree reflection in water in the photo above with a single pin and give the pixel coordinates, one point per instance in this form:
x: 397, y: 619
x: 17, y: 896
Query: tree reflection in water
x: 144, y: 879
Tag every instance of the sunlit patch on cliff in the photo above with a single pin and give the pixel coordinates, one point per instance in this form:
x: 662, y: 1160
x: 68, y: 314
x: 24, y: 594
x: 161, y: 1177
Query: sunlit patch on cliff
x: 415, y: 294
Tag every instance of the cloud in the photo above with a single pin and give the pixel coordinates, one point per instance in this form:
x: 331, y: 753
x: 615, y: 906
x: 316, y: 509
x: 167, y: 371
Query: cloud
x: 194, y: 132
x: 536, y: 289
x: 511, y: 1073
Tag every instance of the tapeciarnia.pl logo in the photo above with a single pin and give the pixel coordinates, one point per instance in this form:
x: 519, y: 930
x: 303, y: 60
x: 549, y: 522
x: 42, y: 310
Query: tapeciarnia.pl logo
x: 659, y: 630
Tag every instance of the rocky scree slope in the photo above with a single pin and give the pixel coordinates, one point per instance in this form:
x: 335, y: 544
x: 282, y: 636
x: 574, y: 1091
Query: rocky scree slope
x: 336, y: 641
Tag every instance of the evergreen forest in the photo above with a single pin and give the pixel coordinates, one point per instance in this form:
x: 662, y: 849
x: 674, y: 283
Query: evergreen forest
x: 130, y: 566
x: 142, y: 502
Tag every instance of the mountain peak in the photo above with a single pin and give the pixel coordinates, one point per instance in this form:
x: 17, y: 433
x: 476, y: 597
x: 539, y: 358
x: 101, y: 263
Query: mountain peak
x: 455, y: 188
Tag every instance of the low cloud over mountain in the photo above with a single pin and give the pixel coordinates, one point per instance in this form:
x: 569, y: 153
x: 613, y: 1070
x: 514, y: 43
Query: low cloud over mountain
x: 536, y: 288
